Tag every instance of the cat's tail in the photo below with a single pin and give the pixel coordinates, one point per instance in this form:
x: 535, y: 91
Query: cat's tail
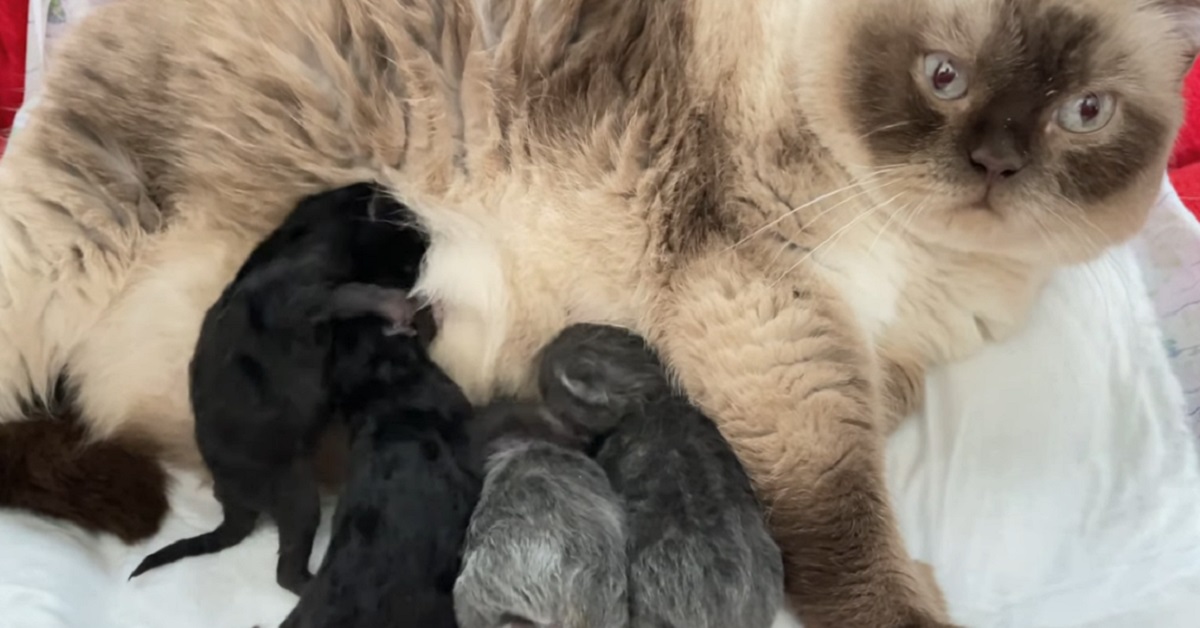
x: 239, y: 522
x: 50, y: 466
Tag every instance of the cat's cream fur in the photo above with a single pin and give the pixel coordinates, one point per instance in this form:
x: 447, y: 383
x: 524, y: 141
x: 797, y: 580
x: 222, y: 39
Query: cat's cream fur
x: 689, y: 168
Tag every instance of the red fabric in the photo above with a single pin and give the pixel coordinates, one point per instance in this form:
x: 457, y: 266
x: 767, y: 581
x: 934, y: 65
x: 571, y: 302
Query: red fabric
x: 14, y: 27
x: 1185, y: 161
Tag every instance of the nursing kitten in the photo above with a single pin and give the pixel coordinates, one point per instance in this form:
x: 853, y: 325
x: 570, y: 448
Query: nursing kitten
x: 699, y: 551
x: 399, y: 524
x: 801, y: 204
x: 260, y: 371
x: 546, y: 544
x: 546, y: 547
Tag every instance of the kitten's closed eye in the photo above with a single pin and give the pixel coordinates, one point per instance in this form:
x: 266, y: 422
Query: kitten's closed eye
x: 581, y: 390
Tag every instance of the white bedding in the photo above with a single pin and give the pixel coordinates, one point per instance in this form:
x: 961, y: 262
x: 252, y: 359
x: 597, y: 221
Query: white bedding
x: 1052, y: 482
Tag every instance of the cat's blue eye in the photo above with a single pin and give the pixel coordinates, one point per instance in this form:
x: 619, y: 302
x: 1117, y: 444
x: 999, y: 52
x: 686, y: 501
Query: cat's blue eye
x: 946, y: 78
x: 1087, y: 113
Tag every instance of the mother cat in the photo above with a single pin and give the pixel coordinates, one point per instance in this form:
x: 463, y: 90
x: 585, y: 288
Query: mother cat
x: 802, y: 203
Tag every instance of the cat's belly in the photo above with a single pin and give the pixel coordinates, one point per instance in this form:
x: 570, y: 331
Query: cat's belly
x: 500, y: 296
x: 507, y: 269
x: 465, y: 278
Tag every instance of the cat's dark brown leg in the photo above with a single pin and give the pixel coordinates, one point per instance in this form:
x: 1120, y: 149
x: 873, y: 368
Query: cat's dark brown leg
x: 785, y: 373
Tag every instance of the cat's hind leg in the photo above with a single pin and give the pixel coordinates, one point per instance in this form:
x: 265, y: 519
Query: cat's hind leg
x: 131, y: 371
x: 63, y: 259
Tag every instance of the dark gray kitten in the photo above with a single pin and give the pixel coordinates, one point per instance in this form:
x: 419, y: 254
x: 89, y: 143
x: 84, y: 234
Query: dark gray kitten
x: 546, y: 544
x: 699, y: 551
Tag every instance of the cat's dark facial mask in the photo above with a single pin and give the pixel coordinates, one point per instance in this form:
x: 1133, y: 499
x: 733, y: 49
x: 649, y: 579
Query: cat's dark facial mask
x: 1035, y: 123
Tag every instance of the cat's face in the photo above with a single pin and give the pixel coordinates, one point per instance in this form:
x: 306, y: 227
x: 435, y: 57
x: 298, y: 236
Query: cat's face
x: 1037, y: 127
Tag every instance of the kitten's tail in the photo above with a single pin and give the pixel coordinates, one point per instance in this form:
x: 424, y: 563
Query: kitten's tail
x: 50, y: 466
x: 237, y: 525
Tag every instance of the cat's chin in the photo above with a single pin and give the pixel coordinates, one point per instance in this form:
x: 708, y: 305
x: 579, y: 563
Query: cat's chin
x: 990, y: 228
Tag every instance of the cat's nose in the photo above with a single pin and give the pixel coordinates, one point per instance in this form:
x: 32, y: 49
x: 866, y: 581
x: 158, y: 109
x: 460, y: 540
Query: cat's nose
x: 997, y: 162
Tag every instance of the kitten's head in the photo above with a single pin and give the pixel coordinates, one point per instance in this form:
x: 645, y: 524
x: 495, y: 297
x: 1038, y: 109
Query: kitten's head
x: 592, y: 376
x: 1039, y: 128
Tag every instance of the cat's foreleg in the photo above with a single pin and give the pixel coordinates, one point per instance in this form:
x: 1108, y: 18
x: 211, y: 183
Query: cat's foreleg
x: 902, y: 388
x: 782, y: 368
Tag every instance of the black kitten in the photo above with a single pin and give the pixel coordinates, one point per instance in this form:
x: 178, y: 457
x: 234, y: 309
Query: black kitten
x: 700, y: 555
x: 414, y: 480
x: 259, y: 374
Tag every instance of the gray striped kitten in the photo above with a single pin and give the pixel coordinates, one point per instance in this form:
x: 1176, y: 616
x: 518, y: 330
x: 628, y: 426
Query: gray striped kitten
x: 540, y: 550
x: 546, y: 544
x: 699, y: 550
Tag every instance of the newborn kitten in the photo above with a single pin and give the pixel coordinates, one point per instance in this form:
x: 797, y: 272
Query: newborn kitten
x: 699, y: 550
x: 399, y: 524
x: 258, y: 375
x: 546, y: 545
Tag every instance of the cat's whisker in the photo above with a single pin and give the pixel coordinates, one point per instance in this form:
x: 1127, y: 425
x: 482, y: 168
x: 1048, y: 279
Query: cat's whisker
x: 827, y: 210
x: 886, y: 127
x: 1097, y: 281
x: 916, y: 213
x: 779, y: 253
x: 1041, y: 230
x: 1087, y: 222
x: 907, y: 208
x: 834, y: 237
x: 871, y: 179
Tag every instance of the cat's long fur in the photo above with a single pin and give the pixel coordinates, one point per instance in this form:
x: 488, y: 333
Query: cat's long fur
x: 714, y: 174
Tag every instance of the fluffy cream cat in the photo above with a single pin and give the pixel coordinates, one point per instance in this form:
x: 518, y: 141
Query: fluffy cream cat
x: 802, y: 203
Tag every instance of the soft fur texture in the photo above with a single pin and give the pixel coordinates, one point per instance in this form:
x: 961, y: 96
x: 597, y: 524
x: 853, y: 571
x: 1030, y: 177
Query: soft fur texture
x: 260, y: 372
x: 699, y: 551
x: 546, y: 545
x: 399, y: 525
x: 797, y: 225
x: 50, y: 467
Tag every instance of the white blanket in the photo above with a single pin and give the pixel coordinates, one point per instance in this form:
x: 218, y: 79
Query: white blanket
x: 1051, y: 481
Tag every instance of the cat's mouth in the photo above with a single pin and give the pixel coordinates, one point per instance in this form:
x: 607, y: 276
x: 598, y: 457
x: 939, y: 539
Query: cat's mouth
x: 985, y: 200
x: 983, y: 204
